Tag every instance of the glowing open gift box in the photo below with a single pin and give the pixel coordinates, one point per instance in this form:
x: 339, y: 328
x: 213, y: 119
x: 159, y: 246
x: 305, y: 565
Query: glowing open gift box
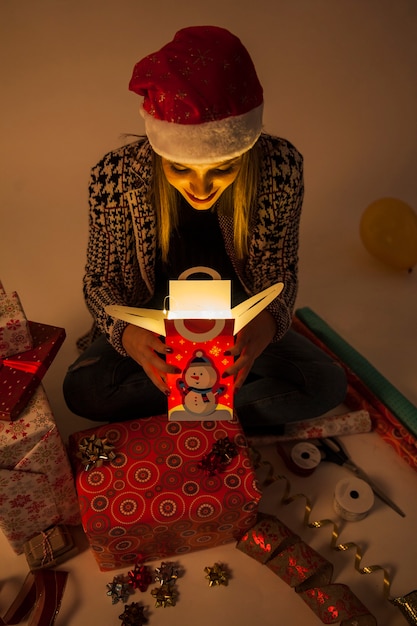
x: 199, y: 328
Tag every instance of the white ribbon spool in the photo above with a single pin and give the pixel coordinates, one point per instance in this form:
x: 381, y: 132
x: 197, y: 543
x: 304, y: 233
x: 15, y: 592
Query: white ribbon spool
x: 353, y: 499
x: 305, y: 455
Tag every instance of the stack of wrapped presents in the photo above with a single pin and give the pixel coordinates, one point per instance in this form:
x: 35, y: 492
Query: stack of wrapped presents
x: 36, y: 482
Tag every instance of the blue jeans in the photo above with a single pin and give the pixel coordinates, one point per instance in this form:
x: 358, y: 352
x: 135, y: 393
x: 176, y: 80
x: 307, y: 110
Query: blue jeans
x: 291, y: 380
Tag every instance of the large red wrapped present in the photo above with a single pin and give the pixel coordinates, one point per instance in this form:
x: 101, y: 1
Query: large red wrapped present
x: 15, y: 335
x: 21, y: 374
x: 36, y: 482
x: 154, y: 488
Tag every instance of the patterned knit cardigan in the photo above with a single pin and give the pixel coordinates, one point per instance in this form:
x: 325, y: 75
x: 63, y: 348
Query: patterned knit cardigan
x: 120, y: 267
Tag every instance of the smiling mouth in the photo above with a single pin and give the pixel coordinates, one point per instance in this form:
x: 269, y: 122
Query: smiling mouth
x: 201, y: 200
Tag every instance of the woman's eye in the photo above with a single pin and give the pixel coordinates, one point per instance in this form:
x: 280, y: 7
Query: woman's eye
x: 178, y: 169
x: 228, y: 170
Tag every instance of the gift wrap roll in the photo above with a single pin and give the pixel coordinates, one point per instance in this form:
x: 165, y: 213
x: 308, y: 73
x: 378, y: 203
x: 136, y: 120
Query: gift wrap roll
x: 353, y: 499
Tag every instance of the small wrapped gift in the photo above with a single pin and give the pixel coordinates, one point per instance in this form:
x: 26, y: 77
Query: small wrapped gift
x: 50, y: 548
x: 21, y: 375
x: 36, y: 483
x: 15, y: 334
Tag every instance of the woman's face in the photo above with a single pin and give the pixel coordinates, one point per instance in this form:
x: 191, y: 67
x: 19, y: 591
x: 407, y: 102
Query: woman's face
x: 201, y: 185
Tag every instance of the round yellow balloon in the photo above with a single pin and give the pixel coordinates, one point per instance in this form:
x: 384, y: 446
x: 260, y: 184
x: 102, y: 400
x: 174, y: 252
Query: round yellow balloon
x: 388, y: 230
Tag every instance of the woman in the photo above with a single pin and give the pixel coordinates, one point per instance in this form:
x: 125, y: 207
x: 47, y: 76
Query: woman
x: 205, y: 187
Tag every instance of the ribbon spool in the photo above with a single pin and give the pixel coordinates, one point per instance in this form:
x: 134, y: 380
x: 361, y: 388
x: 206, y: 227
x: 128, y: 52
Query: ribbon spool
x: 306, y: 457
x: 353, y: 499
x: 302, y: 458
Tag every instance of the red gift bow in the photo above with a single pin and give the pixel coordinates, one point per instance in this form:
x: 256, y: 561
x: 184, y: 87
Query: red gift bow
x: 31, y: 367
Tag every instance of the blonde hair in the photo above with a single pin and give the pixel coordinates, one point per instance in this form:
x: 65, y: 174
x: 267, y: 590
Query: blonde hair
x: 238, y: 200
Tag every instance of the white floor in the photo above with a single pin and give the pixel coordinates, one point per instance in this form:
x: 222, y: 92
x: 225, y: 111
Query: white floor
x: 378, y: 318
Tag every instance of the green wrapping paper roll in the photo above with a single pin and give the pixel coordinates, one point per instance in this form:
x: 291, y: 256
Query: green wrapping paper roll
x: 398, y: 404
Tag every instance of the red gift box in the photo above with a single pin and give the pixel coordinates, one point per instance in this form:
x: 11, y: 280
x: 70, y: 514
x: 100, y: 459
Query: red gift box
x: 21, y: 375
x: 162, y: 495
x: 198, y: 349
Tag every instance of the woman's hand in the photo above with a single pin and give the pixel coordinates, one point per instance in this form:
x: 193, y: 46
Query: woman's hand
x: 144, y: 346
x: 250, y: 343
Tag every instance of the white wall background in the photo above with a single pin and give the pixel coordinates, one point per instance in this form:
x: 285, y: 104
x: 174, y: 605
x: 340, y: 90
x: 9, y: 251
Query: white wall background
x: 340, y: 82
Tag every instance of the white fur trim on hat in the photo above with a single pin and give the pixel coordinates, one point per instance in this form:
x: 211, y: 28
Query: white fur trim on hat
x: 209, y: 142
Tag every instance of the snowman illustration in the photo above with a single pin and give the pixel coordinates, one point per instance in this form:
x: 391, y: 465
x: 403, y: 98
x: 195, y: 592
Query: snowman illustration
x: 199, y: 385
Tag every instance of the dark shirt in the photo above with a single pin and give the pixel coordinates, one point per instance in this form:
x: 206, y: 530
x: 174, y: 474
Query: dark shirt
x: 197, y: 241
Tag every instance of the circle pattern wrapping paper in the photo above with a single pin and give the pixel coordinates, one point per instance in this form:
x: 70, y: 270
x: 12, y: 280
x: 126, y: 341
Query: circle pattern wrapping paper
x: 153, y: 500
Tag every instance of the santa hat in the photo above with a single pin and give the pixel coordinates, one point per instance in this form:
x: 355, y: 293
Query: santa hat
x: 202, y: 100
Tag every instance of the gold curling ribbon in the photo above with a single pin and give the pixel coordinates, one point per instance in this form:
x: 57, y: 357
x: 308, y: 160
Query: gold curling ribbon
x: 407, y: 604
x: 340, y: 547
